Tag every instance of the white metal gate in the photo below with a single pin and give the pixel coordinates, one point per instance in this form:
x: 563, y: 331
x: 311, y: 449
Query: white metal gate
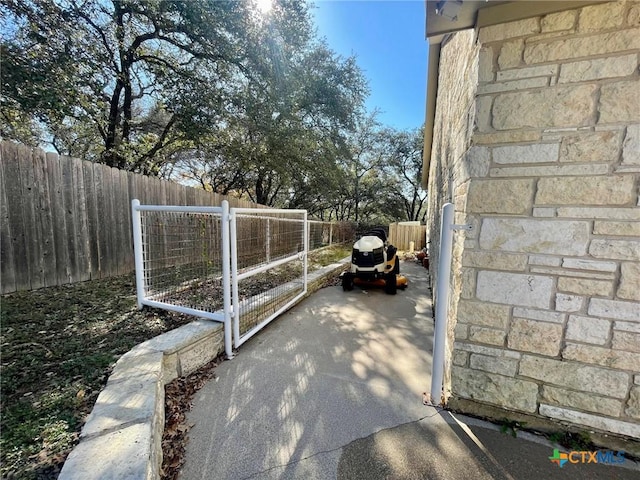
x: 239, y: 265
x: 283, y: 234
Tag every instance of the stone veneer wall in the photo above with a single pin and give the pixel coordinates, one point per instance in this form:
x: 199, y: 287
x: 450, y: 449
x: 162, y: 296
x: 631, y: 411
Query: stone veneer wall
x: 546, y: 289
x: 449, y: 170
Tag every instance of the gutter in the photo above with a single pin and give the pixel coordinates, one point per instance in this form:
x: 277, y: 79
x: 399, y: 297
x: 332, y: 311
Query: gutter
x: 432, y: 93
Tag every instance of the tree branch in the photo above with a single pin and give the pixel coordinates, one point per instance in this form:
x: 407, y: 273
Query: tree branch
x: 159, y: 144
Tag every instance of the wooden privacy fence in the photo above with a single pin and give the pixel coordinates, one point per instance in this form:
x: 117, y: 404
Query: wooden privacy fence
x: 66, y: 220
x: 400, y: 236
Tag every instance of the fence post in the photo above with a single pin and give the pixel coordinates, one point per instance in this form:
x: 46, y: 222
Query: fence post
x: 306, y: 248
x: 226, y: 279
x: 268, y: 246
x: 137, y: 251
x: 330, y: 233
x: 234, y: 279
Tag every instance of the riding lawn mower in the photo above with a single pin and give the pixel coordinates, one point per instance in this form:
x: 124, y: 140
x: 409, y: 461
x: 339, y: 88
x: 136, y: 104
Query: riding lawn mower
x: 374, y: 263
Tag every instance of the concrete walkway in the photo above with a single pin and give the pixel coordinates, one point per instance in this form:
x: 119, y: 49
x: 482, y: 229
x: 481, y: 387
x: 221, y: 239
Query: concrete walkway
x: 333, y: 389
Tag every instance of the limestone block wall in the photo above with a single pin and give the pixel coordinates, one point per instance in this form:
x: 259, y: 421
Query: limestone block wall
x: 547, y: 291
x: 449, y: 169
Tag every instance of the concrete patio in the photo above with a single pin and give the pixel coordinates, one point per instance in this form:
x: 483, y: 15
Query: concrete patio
x: 333, y: 389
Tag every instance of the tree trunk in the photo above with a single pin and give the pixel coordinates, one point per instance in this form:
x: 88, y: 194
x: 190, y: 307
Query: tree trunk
x: 110, y: 156
x: 261, y: 195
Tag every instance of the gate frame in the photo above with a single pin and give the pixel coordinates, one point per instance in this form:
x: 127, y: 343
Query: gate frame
x: 236, y: 277
x: 138, y: 250
x: 230, y: 314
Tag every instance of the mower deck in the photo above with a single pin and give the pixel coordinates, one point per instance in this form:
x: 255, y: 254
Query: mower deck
x: 401, y: 282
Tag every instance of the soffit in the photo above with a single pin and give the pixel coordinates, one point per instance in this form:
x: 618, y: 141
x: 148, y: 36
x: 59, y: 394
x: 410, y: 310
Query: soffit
x: 474, y: 13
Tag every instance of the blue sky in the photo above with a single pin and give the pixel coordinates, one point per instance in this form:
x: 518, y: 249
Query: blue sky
x: 388, y: 39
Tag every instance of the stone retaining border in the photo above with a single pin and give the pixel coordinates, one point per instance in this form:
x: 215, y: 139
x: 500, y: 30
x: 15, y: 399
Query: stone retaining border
x: 121, y: 439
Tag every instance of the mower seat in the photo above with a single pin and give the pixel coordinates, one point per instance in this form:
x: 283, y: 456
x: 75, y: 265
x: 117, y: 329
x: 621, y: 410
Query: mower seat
x: 378, y: 232
x: 391, y: 251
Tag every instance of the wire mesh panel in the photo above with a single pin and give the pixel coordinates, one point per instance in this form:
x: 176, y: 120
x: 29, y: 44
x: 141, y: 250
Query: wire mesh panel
x: 269, y: 266
x: 183, y: 264
x: 343, y: 232
x: 214, y: 263
x: 323, y: 234
x: 320, y: 234
x: 261, y: 296
x: 262, y: 239
x: 182, y: 257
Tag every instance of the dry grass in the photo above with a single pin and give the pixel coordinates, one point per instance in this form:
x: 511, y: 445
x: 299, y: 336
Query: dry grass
x: 59, y: 346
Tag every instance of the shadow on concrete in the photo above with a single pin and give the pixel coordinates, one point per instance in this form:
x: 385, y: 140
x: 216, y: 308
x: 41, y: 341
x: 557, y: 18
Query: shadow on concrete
x: 448, y: 446
x: 333, y: 389
x: 337, y: 367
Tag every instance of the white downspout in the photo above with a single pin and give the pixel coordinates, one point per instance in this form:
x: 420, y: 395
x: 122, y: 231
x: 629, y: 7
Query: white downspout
x: 442, y: 300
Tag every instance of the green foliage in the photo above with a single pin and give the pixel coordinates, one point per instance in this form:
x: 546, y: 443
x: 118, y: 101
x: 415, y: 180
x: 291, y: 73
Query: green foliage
x: 287, y: 119
x: 405, y: 172
x: 378, y: 176
x: 573, y: 440
x: 511, y: 426
x: 135, y: 84
x: 211, y: 93
x: 111, y: 65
